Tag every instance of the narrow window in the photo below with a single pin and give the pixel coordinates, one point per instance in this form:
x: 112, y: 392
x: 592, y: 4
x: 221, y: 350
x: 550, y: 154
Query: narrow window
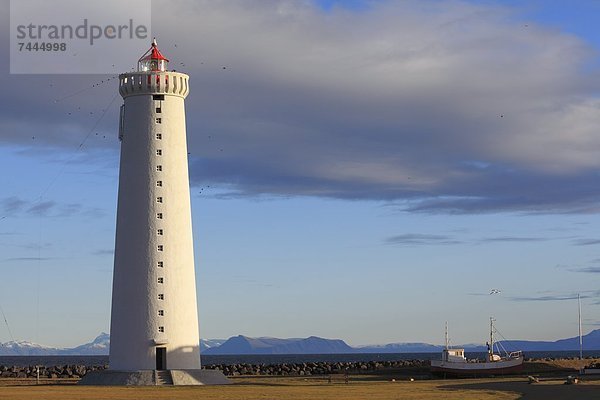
x: 161, y: 280
x: 159, y: 232
x: 159, y: 215
x: 159, y: 199
x: 159, y: 120
x: 161, y: 313
x: 159, y: 183
x: 160, y: 247
x: 161, y: 329
x: 158, y: 136
x: 161, y: 296
x: 159, y: 168
x: 160, y: 264
x: 159, y: 152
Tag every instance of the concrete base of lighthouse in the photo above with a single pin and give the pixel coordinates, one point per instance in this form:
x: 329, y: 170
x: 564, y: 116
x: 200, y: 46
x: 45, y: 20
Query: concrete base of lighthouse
x: 188, y: 377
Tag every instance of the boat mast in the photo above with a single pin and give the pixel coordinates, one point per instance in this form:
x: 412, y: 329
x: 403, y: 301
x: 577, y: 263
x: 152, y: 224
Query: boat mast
x: 446, y: 335
x: 580, y: 339
x: 491, y: 338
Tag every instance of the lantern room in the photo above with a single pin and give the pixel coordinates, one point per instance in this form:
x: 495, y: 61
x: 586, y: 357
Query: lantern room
x: 153, y: 60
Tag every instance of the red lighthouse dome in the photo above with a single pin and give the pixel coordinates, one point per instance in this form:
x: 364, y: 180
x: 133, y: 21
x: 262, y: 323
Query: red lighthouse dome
x: 153, y: 60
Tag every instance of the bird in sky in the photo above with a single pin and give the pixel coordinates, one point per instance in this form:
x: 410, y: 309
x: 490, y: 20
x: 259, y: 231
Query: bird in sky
x: 495, y: 291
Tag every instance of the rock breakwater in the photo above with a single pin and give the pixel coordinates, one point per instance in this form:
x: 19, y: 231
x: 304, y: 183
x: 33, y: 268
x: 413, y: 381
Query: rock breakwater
x: 285, y: 369
x: 54, y: 372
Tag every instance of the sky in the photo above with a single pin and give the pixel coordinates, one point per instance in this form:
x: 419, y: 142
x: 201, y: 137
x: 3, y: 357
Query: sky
x: 362, y: 170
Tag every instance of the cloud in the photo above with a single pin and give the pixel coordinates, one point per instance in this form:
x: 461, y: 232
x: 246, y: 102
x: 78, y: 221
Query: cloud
x: 586, y: 242
x: 436, y: 107
x: 104, y: 252
x: 29, y: 259
x: 14, y: 206
x: 517, y: 239
x: 414, y: 239
x: 482, y: 294
x: 547, y: 298
x: 94, y: 212
x: 591, y: 270
x: 587, y: 294
x: 429, y: 239
x: 70, y: 209
x: 41, y: 208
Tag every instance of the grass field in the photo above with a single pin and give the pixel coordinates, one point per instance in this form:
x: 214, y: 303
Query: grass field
x: 256, y: 388
x: 281, y: 388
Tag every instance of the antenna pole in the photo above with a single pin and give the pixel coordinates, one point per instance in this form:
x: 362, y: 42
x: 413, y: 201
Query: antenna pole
x: 580, y: 338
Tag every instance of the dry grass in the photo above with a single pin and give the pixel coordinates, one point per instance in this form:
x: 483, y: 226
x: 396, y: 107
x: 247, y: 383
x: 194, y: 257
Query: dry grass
x: 258, y: 388
x: 556, y: 367
x: 575, y: 364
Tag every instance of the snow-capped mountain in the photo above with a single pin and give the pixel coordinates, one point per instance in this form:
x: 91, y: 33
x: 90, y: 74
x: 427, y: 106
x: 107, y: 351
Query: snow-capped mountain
x: 206, y: 344
x: 99, y: 346
x: 24, y: 348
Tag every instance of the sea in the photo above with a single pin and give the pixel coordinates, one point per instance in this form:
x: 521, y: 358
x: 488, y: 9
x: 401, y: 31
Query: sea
x: 207, y: 360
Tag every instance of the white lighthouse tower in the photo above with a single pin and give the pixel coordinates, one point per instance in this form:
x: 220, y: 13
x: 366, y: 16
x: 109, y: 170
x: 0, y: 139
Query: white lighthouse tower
x: 154, y: 322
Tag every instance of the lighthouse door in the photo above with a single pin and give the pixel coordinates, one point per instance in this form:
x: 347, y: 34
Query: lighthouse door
x: 161, y: 358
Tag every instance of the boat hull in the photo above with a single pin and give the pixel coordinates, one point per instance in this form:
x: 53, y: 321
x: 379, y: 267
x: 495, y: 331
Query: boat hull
x: 504, y: 367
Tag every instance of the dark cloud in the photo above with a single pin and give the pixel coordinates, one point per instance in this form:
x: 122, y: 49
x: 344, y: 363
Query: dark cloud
x: 374, y: 128
x: 415, y: 239
x: 400, y: 104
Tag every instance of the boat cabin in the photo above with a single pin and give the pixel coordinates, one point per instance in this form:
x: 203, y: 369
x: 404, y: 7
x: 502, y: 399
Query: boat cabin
x: 454, y: 355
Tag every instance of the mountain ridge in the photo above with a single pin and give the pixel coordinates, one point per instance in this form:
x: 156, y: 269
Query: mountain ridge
x: 241, y: 345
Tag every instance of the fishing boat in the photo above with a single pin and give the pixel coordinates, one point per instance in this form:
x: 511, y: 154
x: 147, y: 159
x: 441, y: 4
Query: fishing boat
x: 454, y: 362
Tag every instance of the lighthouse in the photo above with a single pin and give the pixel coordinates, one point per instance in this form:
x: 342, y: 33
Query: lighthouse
x: 154, y: 335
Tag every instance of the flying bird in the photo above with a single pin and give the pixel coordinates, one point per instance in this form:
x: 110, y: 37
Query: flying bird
x: 494, y: 291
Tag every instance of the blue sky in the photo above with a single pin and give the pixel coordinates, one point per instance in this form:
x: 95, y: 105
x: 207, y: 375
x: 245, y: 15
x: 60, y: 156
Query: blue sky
x: 360, y: 170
